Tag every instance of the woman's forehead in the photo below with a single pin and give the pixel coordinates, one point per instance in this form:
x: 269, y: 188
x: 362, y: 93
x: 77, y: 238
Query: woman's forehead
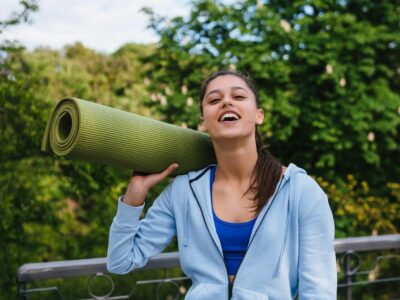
x: 227, y: 82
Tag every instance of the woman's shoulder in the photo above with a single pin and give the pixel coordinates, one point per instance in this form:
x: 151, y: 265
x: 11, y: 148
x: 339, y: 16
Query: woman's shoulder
x: 307, y: 195
x: 304, y: 189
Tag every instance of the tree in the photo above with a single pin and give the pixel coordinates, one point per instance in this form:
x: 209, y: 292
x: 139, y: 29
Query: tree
x: 60, y: 208
x: 28, y: 7
x: 327, y: 72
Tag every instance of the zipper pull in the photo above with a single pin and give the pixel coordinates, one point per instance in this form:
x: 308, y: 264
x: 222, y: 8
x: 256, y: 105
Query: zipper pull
x: 230, y: 287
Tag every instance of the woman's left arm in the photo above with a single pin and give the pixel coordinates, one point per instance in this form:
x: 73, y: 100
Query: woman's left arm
x: 317, y: 259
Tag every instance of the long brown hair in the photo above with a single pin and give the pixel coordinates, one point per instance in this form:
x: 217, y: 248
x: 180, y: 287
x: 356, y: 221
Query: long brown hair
x: 268, y: 169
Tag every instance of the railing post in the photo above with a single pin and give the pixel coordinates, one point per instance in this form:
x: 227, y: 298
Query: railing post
x: 348, y: 274
x: 21, y: 290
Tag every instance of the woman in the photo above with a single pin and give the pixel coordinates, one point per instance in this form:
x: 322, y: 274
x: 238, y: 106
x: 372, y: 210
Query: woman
x: 247, y: 227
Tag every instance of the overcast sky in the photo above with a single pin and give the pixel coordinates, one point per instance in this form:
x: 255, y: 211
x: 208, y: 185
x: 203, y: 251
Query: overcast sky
x: 104, y: 25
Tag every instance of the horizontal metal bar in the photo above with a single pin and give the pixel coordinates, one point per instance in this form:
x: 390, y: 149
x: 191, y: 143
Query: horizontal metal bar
x: 163, y: 280
x: 365, y: 282
x: 46, y: 289
x: 367, y: 243
x: 81, y: 267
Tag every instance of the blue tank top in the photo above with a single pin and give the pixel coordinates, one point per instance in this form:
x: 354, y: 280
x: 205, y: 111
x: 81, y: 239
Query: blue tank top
x: 234, y: 237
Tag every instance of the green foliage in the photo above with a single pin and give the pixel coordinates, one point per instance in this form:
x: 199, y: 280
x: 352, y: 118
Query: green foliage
x: 51, y: 208
x: 80, y: 72
x: 327, y: 73
x: 329, y: 82
x: 358, y: 212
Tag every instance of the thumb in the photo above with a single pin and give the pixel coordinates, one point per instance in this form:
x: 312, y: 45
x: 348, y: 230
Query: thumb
x: 169, y: 170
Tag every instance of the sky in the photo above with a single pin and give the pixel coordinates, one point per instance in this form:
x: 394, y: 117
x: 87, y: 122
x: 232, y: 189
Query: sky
x: 103, y: 25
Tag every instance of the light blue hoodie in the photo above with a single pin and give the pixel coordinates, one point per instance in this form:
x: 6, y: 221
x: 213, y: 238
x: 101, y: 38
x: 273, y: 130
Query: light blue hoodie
x: 290, y: 249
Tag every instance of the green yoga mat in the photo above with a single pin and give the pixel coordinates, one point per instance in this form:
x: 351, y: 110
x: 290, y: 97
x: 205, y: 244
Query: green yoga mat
x: 93, y: 132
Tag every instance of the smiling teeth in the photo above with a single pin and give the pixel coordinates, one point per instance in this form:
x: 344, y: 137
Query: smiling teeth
x: 229, y: 115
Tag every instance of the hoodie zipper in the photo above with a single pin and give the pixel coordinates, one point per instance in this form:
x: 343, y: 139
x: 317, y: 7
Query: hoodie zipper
x: 230, y: 288
x: 230, y: 284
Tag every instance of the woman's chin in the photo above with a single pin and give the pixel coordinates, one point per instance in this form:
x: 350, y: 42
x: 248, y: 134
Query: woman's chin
x: 231, y: 135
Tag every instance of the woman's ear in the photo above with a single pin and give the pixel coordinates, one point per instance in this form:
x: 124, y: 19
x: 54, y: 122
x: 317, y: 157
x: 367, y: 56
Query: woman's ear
x: 202, y: 126
x: 260, y: 116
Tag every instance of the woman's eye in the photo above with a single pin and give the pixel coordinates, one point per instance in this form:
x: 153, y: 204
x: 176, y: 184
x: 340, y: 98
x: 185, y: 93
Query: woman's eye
x: 239, y: 97
x: 214, y: 100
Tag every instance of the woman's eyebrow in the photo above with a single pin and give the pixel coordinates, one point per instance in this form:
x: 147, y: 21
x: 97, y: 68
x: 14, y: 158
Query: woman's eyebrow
x: 238, y: 88
x: 213, y: 91
x: 232, y: 88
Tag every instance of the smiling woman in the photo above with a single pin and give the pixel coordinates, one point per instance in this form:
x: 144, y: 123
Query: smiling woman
x: 239, y: 107
x: 240, y: 97
x: 247, y: 227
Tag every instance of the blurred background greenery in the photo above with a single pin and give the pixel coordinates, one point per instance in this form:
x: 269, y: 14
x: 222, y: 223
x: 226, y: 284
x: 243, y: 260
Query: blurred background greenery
x: 328, y: 73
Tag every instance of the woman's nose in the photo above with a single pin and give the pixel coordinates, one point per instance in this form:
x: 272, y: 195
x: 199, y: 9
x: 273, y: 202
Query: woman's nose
x: 226, y: 101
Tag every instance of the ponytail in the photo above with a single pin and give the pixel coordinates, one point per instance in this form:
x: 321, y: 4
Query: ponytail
x: 266, y: 175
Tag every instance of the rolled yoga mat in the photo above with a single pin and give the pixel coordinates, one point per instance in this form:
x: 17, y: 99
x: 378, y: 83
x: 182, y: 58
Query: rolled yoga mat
x: 92, y: 132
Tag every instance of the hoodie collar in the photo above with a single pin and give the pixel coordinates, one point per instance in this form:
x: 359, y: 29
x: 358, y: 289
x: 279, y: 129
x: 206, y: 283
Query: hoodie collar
x: 200, y: 182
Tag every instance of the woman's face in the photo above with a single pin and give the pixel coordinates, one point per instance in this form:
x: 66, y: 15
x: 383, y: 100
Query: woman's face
x: 229, y: 109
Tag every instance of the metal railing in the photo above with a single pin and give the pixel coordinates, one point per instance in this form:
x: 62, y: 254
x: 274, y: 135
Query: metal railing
x: 351, y: 262
x: 349, y: 259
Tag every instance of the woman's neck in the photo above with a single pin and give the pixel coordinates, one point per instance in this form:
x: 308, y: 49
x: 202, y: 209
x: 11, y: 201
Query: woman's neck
x: 236, y: 160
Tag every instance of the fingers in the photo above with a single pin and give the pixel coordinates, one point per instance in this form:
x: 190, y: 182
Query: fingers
x: 140, y: 184
x: 156, y: 177
x: 168, y: 170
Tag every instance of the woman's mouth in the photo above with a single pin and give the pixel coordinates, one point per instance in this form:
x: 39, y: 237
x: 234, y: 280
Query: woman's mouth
x: 229, y: 117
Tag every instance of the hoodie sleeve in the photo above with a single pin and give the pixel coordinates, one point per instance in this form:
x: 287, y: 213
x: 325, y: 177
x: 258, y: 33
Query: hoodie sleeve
x: 132, y: 242
x: 317, y: 259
